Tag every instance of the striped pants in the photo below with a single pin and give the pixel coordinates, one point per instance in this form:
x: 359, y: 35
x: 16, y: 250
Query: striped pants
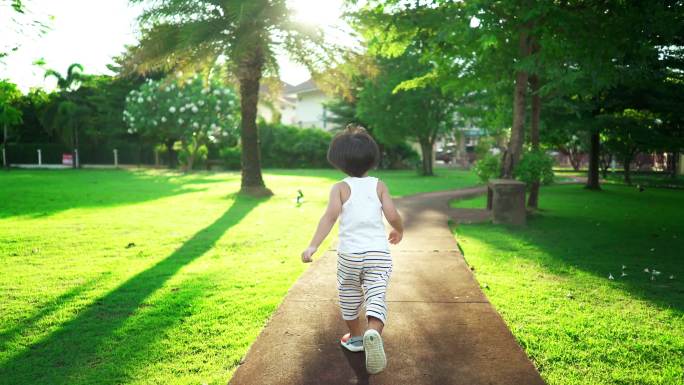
x: 362, y: 278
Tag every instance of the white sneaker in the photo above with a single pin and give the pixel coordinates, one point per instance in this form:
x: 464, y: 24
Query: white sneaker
x: 376, y: 361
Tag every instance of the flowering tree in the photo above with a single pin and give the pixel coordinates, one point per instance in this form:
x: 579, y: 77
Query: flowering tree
x: 193, y: 112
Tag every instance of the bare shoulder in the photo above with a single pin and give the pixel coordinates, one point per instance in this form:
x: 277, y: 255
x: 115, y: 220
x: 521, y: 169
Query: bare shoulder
x: 343, y: 190
x: 381, y: 188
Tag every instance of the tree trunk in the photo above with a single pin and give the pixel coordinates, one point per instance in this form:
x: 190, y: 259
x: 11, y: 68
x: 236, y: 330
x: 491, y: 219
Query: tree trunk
x: 5, y: 163
x: 594, y: 154
x: 605, y: 163
x: 675, y: 164
x: 426, y: 152
x: 627, y: 165
x: 533, y: 198
x: 171, y: 153
x: 512, y: 156
x: 249, y: 75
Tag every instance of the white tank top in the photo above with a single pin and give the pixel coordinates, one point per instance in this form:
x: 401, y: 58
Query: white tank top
x: 361, y: 225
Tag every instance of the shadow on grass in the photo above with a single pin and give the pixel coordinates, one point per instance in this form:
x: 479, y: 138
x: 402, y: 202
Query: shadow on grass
x: 598, y: 232
x: 39, y: 193
x: 114, y: 333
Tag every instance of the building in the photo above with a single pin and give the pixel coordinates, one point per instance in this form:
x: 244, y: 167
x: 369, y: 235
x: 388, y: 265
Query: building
x: 300, y: 105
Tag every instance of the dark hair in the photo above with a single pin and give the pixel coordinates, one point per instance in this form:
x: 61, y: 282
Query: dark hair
x: 353, y: 151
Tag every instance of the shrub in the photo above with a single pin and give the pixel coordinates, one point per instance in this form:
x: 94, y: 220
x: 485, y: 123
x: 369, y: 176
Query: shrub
x: 535, y: 166
x: 231, y: 157
x: 488, y: 167
x: 190, y: 157
x: 293, y: 147
x: 399, y: 156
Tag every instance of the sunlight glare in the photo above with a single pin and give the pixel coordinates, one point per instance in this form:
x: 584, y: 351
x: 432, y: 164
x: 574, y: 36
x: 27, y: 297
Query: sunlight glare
x: 319, y: 12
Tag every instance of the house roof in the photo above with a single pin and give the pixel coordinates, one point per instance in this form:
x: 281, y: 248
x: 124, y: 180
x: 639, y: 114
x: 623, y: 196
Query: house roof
x: 306, y: 86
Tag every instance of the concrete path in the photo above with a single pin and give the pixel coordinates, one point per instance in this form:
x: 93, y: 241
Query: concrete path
x: 441, y: 328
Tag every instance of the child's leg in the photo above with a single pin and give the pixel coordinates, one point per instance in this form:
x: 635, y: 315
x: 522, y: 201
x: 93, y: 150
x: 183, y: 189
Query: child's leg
x: 356, y: 327
x: 375, y: 323
x: 349, y: 268
x: 376, y: 274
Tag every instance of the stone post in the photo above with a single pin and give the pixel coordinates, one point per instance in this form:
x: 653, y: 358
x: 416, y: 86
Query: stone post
x: 506, y: 199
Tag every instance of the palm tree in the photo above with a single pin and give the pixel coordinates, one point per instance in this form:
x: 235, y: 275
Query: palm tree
x: 178, y: 34
x: 68, y: 113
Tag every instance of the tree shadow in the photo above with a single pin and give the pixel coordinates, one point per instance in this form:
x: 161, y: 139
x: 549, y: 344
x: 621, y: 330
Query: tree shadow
x: 47, y: 309
x: 598, y: 234
x: 73, y: 353
x: 39, y: 193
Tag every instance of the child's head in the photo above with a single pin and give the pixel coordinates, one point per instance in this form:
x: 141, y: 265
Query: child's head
x: 353, y: 151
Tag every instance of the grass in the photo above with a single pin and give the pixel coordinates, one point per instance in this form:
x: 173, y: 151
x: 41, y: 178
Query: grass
x: 147, y: 277
x: 550, y: 283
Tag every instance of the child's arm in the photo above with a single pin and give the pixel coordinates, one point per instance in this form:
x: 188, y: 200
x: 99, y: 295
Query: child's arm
x: 325, y: 224
x: 391, y: 214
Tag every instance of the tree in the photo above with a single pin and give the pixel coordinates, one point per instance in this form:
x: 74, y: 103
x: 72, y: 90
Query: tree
x: 247, y: 33
x: 396, y: 114
x: 9, y: 114
x: 67, y: 116
x: 192, y: 111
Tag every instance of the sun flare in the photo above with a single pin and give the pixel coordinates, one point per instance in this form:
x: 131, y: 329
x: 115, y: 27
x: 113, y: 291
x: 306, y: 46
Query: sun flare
x: 319, y: 12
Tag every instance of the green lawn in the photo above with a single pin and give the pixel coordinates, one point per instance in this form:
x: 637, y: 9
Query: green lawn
x: 550, y: 283
x: 145, y: 277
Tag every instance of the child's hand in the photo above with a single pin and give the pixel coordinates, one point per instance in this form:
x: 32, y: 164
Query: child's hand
x: 306, y: 254
x: 395, y: 236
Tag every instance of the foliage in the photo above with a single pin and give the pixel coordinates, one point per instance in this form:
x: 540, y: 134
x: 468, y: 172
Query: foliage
x: 231, y: 157
x: 488, y: 167
x: 192, y: 155
x: 398, y: 156
x: 66, y: 117
x: 535, y: 166
x: 397, y: 115
x: 192, y: 111
x: 9, y: 114
x: 293, y: 147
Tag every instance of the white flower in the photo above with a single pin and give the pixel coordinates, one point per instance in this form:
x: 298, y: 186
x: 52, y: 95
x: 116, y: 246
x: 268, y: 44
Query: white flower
x: 167, y: 89
x: 655, y: 272
x: 217, y: 92
x: 182, y: 109
x: 646, y: 270
x: 672, y: 277
x: 610, y: 276
x: 624, y: 267
x: 188, y: 82
x: 179, y: 73
x: 194, y: 109
x: 163, y: 119
x: 213, y: 126
x: 205, y: 90
x: 218, y: 108
x: 172, y: 109
x: 180, y: 121
x: 226, y: 91
x: 140, y: 100
x: 195, y: 125
x: 201, y: 103
x: 623, y: 274
x: 154, y: 122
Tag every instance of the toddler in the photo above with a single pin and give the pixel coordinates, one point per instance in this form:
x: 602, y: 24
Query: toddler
x: 364, y: 263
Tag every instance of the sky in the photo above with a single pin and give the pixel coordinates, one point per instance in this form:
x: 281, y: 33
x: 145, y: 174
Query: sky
x: 91, y: 32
